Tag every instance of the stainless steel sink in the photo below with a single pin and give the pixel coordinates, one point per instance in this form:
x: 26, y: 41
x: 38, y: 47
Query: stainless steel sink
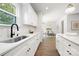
x: 14, y: 39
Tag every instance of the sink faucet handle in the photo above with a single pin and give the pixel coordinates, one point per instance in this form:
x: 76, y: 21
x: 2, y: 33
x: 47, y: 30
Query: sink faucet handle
x: 17, y: 33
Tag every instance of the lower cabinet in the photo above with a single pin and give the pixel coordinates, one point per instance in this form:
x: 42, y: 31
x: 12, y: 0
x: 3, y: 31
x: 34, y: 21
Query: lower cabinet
x: 66, y: 47
x: 27, y: 48
x: 21, y: 50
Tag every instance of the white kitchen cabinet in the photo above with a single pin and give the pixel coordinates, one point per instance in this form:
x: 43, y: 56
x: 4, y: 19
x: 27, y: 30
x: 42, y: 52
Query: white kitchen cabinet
x: 59, y: 45
x: 66, y: 47
x: 21, y: 50
x: 27, y: 48
x: 29, y: 15
x: 34, y: 46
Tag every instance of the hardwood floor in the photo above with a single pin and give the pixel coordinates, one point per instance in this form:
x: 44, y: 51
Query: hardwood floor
x: 47, y: 48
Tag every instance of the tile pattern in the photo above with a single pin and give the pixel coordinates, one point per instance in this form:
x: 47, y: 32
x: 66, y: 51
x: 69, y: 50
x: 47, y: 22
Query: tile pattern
x: 47, y: 47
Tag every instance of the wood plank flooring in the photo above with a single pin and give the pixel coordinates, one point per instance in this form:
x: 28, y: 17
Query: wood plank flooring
x: 47, y: 47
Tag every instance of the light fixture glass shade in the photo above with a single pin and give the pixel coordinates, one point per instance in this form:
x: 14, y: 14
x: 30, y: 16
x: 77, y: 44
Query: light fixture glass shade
x: 70, y: 9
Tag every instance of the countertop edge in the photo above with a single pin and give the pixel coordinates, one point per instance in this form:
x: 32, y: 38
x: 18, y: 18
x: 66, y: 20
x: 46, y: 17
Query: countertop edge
x: 69, y: 39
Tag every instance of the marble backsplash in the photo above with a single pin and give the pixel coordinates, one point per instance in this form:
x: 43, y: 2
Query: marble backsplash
x: 5, y: 31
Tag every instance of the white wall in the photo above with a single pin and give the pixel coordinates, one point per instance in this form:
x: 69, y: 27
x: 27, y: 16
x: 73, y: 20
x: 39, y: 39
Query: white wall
x: 64, y: 19
x: 67, y: 23
x: 70, y: 18
x: 23, y: 29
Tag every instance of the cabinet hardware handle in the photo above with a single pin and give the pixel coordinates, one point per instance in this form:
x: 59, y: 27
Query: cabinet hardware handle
x: 70, y: 53
x: 29, y: 48
x: 69, y: 45
x: 67, y: 51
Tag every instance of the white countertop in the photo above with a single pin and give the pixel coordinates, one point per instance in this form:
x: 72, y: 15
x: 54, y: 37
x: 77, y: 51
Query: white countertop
x: 73, y: 38
x: 4, y: 47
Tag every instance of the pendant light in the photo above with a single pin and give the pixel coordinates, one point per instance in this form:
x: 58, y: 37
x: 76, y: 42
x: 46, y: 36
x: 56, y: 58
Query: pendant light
x: 70, y: 8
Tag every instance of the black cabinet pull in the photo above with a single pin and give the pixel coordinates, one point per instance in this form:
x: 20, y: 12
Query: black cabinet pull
x: 29, y: 49
x: 70, y: 53
x: 67, y: 51
x: 69, y: 45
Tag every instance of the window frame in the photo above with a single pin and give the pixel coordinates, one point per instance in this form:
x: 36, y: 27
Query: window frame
x: 9, y: 14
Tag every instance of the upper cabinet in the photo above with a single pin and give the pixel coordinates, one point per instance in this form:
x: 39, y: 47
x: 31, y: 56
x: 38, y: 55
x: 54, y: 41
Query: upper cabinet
x: 29, y: 15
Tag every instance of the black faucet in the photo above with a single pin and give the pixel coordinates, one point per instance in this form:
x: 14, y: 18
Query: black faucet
x: 12, y: 30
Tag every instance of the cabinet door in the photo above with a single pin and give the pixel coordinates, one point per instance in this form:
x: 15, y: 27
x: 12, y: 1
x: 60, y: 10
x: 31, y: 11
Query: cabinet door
x: 29, y: 15
x: 32, y: 16
x: 20, y: 50
x: 34, y: 45
x: 26, y: 13
x: 61, y: 46
x: 35, y: 20
x: 58, y: 42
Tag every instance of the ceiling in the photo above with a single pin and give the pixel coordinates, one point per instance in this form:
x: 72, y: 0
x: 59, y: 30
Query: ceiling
x: 54, y: 12
x: 41, y: 7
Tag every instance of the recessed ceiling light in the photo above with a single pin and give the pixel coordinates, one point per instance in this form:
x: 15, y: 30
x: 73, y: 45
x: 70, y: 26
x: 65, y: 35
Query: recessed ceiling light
x: 46, y: 8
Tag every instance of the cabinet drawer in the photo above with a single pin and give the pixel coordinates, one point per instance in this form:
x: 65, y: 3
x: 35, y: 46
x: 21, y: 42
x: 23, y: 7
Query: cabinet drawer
x: 74, y: 52
x: 18, y: 51
x: 70, y: 44
x: 71, y: 52
x: 23, y: 52
x: 73, y: 48
x: 67, y: 51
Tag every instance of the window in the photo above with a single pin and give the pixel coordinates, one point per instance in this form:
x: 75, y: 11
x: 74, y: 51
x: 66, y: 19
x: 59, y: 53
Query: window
x: 7, y: 13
